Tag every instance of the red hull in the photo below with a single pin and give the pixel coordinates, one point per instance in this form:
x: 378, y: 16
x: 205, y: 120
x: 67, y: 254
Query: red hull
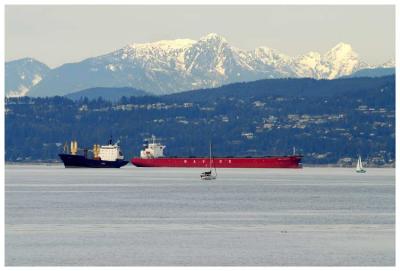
x: 259, y: 162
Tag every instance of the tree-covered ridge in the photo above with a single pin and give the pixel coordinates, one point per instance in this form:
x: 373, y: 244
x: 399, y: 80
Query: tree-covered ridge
x: 327, y: 121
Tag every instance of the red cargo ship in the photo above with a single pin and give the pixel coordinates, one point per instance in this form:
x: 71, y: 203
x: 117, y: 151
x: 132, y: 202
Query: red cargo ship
x: 153, y: 156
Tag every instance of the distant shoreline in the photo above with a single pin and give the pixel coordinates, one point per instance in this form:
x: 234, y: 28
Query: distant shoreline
x: 304, y: 165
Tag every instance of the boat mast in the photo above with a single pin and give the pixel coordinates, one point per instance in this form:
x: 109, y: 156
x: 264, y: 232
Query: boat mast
x: 210, y: 155
x: 212, y: 158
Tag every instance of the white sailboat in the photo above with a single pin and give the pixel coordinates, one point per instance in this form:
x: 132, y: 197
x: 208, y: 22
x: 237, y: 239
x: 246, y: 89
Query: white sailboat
x: 210, y: 174
x: 359, y: 168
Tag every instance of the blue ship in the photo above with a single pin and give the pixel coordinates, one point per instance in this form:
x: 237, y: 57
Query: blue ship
x: 105, y: 156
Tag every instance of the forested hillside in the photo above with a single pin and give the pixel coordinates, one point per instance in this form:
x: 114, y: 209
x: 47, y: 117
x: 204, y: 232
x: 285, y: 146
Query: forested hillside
x: 328, y: 121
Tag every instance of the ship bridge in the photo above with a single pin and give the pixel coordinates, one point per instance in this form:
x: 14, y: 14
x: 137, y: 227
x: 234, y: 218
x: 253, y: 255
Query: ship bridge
x: 153, y: 150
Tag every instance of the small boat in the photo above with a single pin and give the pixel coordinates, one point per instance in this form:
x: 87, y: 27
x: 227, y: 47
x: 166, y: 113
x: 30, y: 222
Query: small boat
x: 211, y: 174
x: 359, y: 168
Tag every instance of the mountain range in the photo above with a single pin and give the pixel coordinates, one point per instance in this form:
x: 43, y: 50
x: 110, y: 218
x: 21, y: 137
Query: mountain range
x: 171, y: 66
x: 21, y: 75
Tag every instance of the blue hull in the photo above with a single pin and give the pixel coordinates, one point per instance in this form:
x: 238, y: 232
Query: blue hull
x: 71, y: 161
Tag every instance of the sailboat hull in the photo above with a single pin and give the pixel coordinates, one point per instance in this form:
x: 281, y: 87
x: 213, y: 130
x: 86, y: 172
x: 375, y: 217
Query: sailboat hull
x: 208, y: 178
x: 225, y: 162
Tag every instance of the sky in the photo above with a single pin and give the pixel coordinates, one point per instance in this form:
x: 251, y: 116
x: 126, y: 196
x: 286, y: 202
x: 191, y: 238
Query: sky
x: 58, y: 34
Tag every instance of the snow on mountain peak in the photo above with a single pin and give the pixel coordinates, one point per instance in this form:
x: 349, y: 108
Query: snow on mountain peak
x: 342, y: 46
x: 213, y: 36
x: 269, y: 56
x: 22, y: 74
x: 164, y: 44
x: 168, y: 66
x: 211, y: 60
x: 340, y: 60
x: 313, y: 54
x: 263, y: 50
x: 389, y: 64
x: 341, y: 51
x: 310, y: 60
x: 212, y: 53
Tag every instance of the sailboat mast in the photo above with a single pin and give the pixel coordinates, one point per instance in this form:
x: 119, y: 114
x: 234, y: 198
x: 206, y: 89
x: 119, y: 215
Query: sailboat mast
x: 215, y: 167
x: 210, y: 155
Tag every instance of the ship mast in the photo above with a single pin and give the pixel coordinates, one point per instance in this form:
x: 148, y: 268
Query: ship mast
x: 210, y: 156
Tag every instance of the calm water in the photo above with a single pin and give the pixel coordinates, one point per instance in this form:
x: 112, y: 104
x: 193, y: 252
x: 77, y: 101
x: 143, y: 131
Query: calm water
x: 138, y: 216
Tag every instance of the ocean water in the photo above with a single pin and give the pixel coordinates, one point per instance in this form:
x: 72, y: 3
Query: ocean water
x: 162, y: 217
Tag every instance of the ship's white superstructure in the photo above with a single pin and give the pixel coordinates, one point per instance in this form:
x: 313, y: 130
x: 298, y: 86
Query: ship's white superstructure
x: 153, y: 149
x: 110, y: 152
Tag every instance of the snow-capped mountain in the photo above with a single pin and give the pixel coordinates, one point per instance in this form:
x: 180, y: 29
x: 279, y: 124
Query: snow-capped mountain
x: 388, y: 64
x: 21, y: 75
x: 170, y: 66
